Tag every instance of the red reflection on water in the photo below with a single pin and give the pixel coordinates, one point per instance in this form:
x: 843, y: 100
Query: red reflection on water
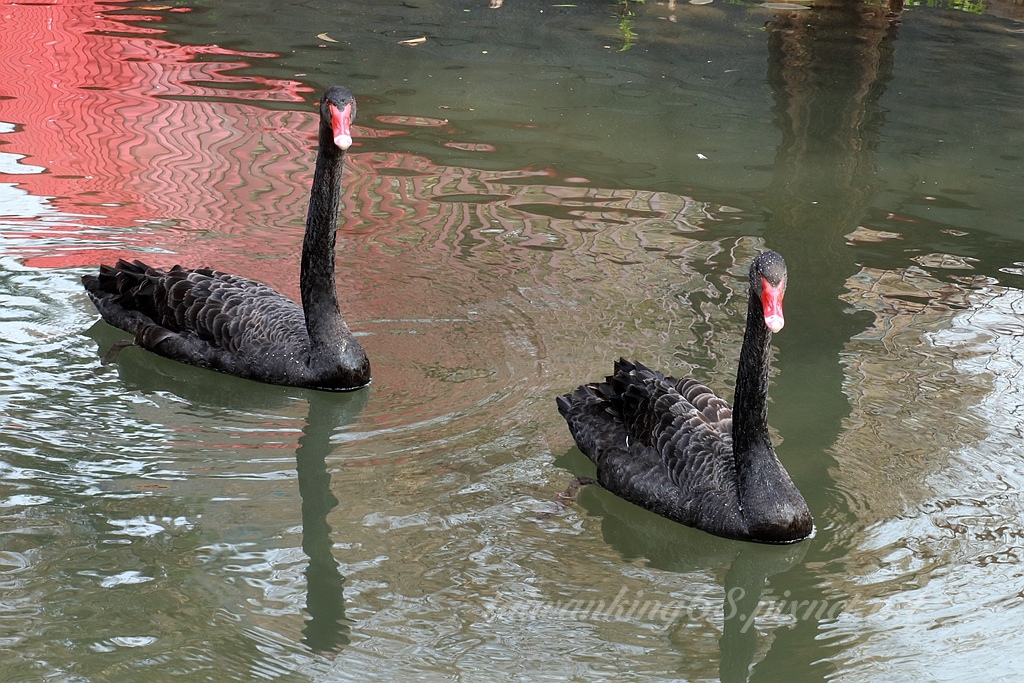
x: 147, y: 149
x: 132, y: 129
x: 460, y: 275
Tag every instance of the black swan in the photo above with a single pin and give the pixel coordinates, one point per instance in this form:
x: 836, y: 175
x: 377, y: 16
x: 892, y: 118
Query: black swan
x: 241, y: 327
x: 675, y: 448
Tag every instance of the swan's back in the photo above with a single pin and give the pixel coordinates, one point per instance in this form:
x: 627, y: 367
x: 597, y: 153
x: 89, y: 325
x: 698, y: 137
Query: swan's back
x: 205, y: 317
x: 661, y: 443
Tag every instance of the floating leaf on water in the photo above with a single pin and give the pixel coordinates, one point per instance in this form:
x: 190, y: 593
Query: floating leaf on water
x: 412, y: 120
x: 324, y: 36
x: 867, y: 235
x: 413, y: 41
x: 471, y: 146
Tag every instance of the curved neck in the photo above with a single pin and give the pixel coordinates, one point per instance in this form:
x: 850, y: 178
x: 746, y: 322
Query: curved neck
x: 750, y: 404
x: 316, y: 280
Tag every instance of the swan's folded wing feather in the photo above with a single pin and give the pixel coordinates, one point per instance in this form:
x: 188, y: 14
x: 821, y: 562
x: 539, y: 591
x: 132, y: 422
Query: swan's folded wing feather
x: 712, y: 408
x: 645, y: 397
x: 688, y: 425
x: 695, y: 456
x: 239, y: 315
x: 228, y: 312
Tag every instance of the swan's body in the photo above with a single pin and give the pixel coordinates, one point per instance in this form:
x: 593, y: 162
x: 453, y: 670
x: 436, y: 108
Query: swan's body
x: 675, y: 448
x: 241, y: 327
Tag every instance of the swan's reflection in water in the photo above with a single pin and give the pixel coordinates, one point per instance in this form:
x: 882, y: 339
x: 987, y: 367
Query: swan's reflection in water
x: 744, y: 568
x: 326, y: 628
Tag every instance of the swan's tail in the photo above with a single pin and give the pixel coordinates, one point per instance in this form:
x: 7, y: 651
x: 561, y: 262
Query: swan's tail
x: 121, y: 282
x: 586, y: 412
x: 595, y: 412
x: 132, y: 296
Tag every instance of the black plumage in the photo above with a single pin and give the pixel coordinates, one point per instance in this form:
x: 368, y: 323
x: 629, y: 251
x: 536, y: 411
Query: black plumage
x: 673, y: 447
x: 242, y: 327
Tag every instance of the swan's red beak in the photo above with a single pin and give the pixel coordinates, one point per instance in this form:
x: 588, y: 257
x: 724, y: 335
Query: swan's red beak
x: 341, y: 125
x: 771, y: 303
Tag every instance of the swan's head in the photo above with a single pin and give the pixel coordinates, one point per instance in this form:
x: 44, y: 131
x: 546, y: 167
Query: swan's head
x: 768, y: 281
x: 338, y: 111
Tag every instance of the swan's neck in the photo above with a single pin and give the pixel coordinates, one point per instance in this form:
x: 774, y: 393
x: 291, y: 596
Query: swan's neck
x: 316, y: 281
x: 750, y: 405
x: 772, y: 507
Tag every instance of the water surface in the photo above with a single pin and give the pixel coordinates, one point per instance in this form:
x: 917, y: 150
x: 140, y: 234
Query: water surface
x: 526, y: 201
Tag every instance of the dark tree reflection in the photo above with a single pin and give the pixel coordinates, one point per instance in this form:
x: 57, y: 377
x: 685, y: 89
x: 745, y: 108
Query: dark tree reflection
x: 828, y: 68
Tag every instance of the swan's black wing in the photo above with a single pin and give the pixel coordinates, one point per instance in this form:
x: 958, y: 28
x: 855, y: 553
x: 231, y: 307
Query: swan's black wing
x: 662, y: 443
x: 201, y: 316
x: 624, y: 467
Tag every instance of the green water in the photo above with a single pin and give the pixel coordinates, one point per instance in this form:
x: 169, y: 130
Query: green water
x: 526, y: 201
